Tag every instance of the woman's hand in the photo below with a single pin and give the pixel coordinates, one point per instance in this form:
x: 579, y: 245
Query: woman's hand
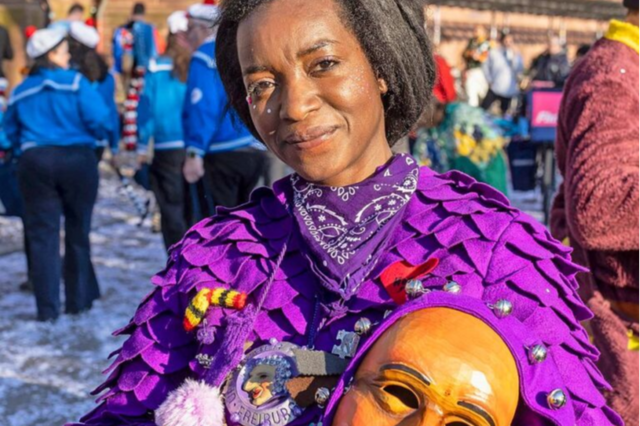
x: 193, y: 169
x: 141, y: 160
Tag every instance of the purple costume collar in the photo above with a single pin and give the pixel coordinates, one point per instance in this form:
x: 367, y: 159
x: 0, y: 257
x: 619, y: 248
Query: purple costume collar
x: 345, y: 229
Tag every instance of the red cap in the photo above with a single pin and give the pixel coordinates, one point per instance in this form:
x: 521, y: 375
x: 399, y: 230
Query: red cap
x: 28, y: 32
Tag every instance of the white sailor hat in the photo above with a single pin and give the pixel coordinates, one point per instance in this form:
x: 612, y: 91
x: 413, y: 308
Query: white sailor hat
x: 44, y: 40
x: 204, y: 12
x: 85, y: 34
x: 178, y: 22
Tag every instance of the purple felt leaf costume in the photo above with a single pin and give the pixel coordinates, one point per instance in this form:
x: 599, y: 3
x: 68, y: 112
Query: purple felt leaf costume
x: 493, y: 251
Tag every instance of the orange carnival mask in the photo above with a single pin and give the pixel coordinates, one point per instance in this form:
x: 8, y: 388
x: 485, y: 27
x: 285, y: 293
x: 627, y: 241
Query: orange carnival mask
x: 436, y: 366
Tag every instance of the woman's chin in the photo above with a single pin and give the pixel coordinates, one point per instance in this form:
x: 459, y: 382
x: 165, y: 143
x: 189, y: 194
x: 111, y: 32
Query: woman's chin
x: 317, y: 172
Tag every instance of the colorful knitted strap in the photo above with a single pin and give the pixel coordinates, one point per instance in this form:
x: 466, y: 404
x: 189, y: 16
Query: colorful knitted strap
x: 206, y: 298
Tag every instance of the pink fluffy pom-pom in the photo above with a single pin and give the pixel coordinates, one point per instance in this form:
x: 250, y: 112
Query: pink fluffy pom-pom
x: 192, y: 404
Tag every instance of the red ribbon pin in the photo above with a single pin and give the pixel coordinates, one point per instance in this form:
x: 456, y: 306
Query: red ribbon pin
x: 395, y: 277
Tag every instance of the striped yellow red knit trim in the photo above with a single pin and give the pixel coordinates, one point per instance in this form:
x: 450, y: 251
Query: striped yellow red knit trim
x: 624, y: 33
x: 207, y: 297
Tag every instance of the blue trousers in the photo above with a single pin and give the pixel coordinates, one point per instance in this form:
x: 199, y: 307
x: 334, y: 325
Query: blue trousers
x: 57, y: 181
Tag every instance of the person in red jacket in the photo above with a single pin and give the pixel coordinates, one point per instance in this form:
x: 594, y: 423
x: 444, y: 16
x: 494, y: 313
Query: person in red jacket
x: 444, y: 89
x: 597, y: 206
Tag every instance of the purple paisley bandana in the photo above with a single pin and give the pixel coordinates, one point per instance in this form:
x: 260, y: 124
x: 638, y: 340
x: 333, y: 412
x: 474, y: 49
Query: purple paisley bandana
x: 346, y: 228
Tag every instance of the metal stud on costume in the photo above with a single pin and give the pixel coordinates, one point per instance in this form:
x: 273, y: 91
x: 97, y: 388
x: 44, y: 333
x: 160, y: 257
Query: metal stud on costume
x: 557, y: 399
x: 415, y: 288
x: 452, y: 287
x: 538, y: 354
x: 502, y: 308
x: 322, y: 396
x: 363, y: 326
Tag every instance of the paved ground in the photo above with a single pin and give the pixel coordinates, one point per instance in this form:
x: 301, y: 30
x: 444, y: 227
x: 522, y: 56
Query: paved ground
x: 47, y: 370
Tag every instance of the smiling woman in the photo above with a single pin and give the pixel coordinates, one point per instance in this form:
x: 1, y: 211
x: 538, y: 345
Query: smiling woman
x: 285, y: 295
x: 328, y: 86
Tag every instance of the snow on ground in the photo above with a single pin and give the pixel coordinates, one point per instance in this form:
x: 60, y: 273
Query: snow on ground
x: 48, y: 370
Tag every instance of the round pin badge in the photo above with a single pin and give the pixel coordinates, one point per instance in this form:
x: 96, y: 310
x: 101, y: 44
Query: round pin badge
x: 256, y: 394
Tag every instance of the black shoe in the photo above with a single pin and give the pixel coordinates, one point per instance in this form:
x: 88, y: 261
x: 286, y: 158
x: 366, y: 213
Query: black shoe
x: 47, y: 319
x: 26, y: 287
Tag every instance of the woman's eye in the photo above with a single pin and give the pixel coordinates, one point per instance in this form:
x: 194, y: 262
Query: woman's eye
x: 325, y: 65
x: 260, y: 87
x: 401, y: 398
x: 459, y: 423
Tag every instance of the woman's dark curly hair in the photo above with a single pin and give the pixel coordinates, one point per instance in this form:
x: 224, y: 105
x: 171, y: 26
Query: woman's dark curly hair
x: 393, y: 38
x: 87, y: 61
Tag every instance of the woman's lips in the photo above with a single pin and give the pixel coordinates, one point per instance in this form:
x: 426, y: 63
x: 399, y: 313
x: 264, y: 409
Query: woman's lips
x: 310, y: 138
x: 256, y: 393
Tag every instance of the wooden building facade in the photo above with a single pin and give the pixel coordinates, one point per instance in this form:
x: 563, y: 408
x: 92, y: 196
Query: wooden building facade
x: 450, y: 22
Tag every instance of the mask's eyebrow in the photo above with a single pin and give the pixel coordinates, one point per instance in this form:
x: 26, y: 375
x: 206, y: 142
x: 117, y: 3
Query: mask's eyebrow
x: 316, y: 46
x: 478, y: 410
x: 409, y: 370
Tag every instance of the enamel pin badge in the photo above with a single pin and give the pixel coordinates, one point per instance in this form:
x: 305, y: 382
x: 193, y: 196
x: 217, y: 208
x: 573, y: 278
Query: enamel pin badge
x: 256, y: 394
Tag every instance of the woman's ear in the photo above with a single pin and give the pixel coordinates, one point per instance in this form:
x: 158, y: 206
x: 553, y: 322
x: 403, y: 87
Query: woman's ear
x: 382, y: 86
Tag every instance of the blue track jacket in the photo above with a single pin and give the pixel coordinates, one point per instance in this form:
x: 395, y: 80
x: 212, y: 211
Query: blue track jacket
x: 107, y: 89
x: 56, y: 107
x: 207, y: 123
x: 160, y: 107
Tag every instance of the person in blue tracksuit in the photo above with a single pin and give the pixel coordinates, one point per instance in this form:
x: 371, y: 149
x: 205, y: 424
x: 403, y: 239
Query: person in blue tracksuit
x: 54, y: 118
x: 159, y: 118
x: 220, y: 150
x: 83, y: 40
x: 136, y: 38
x: 134, y: 45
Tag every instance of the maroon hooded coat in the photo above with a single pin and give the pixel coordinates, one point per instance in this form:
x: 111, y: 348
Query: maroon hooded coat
x: 597, y: 206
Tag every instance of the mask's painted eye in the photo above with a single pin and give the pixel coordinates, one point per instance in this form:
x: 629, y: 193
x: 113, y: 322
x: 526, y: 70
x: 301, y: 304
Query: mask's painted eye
x: 403, y: 395
x: 459, y: 423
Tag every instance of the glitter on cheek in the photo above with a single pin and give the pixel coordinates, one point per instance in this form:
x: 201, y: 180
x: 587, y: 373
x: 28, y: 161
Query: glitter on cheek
x: 268, y: 110
x: 360, y: 82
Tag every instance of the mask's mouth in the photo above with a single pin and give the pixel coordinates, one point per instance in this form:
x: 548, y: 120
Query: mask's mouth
x: 257, y: 393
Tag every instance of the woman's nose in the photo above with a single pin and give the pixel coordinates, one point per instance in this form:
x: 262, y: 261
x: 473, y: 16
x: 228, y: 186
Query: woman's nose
x: 299, y: 98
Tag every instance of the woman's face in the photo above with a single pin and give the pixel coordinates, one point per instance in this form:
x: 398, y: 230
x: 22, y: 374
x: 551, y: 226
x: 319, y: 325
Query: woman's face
x: 60, y: 55
x: 435, y: 367
x: 196, y: 34
x: 314, y: 98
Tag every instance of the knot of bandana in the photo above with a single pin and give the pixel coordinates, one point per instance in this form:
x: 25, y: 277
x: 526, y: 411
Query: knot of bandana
x: 345, y: 229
